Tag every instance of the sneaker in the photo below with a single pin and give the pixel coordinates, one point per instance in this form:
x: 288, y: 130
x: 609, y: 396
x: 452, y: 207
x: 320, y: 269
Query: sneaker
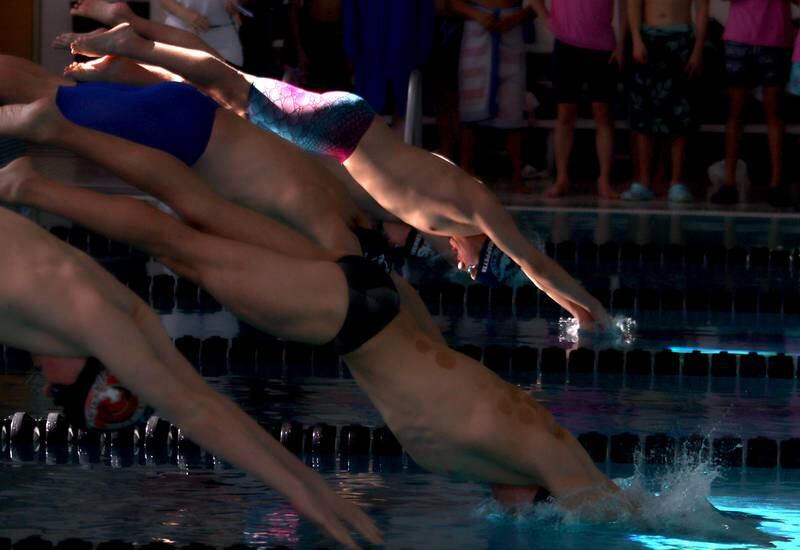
x: 637, y: 192
x: 726, y: 194
x: 779, y: 197
x: 679, y: 193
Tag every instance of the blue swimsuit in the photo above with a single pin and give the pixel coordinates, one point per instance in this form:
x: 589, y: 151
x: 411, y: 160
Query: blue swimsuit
x: 171, y: 116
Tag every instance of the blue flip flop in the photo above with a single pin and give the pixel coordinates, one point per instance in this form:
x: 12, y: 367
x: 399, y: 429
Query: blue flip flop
x: 637, y: 192
x: 678, y: 192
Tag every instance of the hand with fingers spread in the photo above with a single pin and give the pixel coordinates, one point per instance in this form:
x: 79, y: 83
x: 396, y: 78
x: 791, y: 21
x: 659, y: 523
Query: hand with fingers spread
x: 569, y: 294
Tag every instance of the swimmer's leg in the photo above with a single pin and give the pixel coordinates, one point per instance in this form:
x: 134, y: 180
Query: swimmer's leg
x: 114, y: 13
x: 269, y: 290
x: 159, y: 174
x: 202, y: 68
x: 22, y: 81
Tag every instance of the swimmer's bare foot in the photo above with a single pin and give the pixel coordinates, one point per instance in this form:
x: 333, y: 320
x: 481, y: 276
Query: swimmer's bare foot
x: 116, y: 41
x: 13, y: 177
x: 108, y: 68
x: 38, y: 122
x: 102, y: 11
x: 605, y: 190
x: 64, y: 40
x: 558, y: 189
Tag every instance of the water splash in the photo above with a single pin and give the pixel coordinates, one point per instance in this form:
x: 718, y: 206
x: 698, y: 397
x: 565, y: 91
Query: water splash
x: 622, y: 332
x: 672, y: 510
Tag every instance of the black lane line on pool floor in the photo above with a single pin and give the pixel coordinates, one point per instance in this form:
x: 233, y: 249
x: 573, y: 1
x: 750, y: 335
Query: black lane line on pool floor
x: 260, y: 356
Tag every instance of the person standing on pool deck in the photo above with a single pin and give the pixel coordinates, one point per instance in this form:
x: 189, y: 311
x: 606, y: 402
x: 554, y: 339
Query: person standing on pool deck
x: 341, y: 125
x: 318, y: 36
x: 667, y: 55
x: 212, y: 20
x: 492, y: 76
x: 453, y: 415
x: 90, y: 335
x: 386, y: 42
x: 586, y: 52
x: 758, y: 48
x: 255, y: 168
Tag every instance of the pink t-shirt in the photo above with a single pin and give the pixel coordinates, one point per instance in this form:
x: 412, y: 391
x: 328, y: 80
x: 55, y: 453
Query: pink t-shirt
x: 796, y: 53
x: 584, y: 23
x: 760, y: 23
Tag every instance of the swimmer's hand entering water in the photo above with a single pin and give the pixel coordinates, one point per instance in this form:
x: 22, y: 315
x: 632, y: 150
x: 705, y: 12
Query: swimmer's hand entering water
x: 314, y: 499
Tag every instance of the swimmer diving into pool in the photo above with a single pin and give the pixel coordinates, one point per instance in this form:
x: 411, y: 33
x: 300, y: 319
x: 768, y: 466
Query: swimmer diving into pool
x: 453, y: 415
x: 62, y: 306
x: 249, y: 166
x: 341, y: 125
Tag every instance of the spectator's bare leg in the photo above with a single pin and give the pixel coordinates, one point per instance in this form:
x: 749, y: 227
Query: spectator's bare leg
x: 604, y: 141
x: 447, y: 124
x: 772, y: 100
x: 514, y: 146
x: 467, y: 156
x: 644, y: 145
x: 678, y: 156
x: 564, y: 137
x: 733, y: 132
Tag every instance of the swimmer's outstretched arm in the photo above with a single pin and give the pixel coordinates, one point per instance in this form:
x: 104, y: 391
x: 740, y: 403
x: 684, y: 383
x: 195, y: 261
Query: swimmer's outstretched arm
x: 134, y: 347
x: 571, y: 476
x: 530, y: 443
x: 483, y: 209
x: 391, y: 169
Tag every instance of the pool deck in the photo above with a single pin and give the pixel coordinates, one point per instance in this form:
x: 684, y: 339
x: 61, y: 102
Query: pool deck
x: 67, y: 167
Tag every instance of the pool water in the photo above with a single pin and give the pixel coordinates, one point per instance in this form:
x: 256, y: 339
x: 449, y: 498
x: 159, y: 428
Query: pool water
x: 220, y: 507
x: 138, y: 497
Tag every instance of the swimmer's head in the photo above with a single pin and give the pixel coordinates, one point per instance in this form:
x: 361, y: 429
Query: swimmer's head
x: 468, y: 251
x: 513, y: 497
x: 484, y: 261
x: 92, y: 397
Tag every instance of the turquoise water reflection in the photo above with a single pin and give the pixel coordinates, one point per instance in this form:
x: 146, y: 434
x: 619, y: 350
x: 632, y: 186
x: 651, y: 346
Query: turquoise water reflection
x: 777, y: 518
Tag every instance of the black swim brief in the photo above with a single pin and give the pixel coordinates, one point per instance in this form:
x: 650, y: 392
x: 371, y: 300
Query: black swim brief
x: 373, y: 303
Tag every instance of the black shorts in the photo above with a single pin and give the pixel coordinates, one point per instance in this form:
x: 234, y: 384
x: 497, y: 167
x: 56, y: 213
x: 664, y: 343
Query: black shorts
x: 373, y: 303
x: 750, y: 66
x: 576, y: 69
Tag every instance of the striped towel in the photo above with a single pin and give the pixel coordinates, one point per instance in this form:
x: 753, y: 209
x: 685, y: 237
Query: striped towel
x: 492, y: 75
